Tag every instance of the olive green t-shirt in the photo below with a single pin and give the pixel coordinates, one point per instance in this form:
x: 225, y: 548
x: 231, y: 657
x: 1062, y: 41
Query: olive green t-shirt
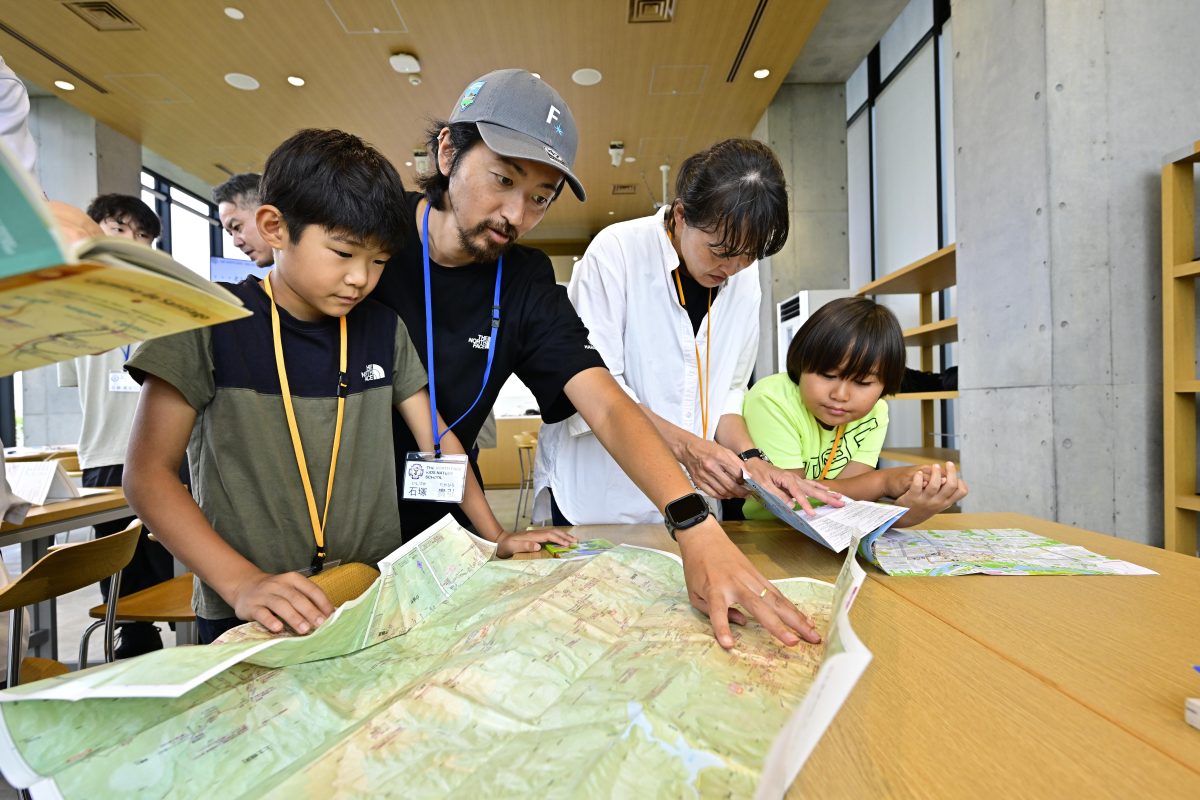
x: 243, y: 467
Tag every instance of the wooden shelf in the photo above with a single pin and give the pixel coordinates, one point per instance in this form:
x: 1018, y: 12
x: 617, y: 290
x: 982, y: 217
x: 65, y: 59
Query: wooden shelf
x: 1186, y: 155
x: 919, y: 455
x: 931, y: 274
x: 1189, y: 270
x: 1189, y: 501
x: 925, y: 396
x: 1187, y: 387
x: 944, y: 331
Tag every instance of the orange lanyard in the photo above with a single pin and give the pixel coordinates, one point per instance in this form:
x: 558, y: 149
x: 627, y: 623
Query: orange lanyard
x: 700, y: 374
x: 837, y: 438
x: 318, y: 523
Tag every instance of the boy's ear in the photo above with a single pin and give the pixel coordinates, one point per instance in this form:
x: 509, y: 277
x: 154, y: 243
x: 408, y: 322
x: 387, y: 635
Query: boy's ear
x: 271, y: 226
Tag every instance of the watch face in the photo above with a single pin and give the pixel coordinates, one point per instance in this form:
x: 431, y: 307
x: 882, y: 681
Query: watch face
x: 682, y: 511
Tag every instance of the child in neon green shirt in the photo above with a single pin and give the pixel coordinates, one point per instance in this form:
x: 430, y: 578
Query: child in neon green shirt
x: 824, y: 418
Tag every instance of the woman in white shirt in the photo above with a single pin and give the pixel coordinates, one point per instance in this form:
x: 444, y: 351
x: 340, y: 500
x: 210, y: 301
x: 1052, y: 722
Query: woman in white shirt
x: 671, y: 301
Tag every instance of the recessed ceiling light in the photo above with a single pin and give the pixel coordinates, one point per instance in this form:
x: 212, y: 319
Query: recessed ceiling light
x: 574, y: 258
x: 65, y: 86
x: 761, y: 73
x: 234, y: 13
x: 586, y: 76
x: 295, y: 80
x: 611, y: 213
x: 408, y: 163
x: 630, y: 159
x: 536, y: 75
x: 239, y: 80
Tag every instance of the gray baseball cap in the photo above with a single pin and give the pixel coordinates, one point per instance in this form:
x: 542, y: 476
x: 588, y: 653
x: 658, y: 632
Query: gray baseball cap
x: 520, y: 116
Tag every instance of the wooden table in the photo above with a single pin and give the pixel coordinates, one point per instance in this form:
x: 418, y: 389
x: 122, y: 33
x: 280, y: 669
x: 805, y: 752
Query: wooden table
x: 36, y: 534
x: 1003, y: 686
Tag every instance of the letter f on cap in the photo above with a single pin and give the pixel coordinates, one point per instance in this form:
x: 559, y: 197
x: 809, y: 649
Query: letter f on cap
x: 552, y: 116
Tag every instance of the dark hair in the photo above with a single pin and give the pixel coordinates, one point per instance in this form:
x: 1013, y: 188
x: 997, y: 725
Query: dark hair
x: 337, y: 181
x: 463, y: 136
x: 736, y: 190
x: 125, y: 208
x: 852, y: 337
x: 241, y: 190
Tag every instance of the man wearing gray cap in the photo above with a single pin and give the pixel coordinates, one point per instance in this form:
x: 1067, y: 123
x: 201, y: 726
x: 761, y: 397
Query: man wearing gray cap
x: 480, y: 307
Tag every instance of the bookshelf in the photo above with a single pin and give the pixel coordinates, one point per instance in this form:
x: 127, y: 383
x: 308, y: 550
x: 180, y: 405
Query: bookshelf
x: 925, y: 278
x: 1180, y: 384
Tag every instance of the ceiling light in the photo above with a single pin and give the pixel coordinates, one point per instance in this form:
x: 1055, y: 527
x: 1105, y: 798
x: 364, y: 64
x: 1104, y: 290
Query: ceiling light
x: 761, y: 73
x: 630, y: 159
x: 574, y: 258
x: 65, y: 86
x: 611, y: 213
x: 295, y: 80
x: 408, y: 163
x: 234, y: 13
x: 239, y: 80
x: 586, y: 76
x: 405, y: 63
x: 536, y: 75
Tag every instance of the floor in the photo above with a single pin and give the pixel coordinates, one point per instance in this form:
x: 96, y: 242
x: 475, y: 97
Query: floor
x: 73, y: 607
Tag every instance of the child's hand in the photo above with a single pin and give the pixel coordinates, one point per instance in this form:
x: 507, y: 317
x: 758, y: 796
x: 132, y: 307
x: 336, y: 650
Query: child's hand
x: 931, y: 493
x: 899, y: 480
x: 530, y: 541
x: 277, y: 600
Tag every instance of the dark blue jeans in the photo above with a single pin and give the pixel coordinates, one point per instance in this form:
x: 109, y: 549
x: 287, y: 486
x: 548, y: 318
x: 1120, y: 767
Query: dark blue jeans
x: 209, y: 629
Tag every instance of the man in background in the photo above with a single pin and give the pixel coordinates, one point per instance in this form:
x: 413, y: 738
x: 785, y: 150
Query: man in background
x: 237, y: 199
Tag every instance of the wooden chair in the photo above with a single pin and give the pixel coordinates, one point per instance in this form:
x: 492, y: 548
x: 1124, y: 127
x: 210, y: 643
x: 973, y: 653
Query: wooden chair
x: 526, y: 445
x: 169, y: 601
x: 65, y: 569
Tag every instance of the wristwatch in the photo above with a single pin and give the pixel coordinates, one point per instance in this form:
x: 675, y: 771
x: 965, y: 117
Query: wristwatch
x: 753, y: 452
x: 686, y: 512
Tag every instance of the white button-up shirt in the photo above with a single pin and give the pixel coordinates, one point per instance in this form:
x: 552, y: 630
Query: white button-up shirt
x: 625, y: 293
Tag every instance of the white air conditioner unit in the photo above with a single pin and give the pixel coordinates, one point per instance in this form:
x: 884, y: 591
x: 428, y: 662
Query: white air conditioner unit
x: 795, y: 311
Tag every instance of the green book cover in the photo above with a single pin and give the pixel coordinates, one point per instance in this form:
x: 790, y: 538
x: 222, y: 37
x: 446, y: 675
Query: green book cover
x: 584, y: 547
x: 27, y: 237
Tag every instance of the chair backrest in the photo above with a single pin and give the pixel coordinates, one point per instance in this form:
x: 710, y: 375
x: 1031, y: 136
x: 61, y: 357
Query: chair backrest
x: 525, y: 439
x: 345, y: 581
x: 71, y: 567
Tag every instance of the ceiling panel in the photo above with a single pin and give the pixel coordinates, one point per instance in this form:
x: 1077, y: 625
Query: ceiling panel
x: 663, y: 90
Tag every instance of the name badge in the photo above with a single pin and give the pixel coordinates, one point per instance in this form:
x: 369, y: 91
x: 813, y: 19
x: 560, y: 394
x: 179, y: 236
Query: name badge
x: 121, y: 381
x: 427, y: 477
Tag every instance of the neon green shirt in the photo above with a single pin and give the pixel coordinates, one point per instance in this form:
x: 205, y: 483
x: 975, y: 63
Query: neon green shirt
x: 783, y: 428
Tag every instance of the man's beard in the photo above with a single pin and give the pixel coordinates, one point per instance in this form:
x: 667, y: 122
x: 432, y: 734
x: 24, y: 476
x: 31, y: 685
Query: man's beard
x: 489, y: 250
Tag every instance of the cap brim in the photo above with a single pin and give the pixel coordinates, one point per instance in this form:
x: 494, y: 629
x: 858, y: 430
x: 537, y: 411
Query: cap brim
x: 514, y: 144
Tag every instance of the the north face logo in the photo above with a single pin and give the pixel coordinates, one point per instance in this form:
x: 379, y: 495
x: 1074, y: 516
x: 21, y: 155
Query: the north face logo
x: 373, y: 372
x: 550, y: 151
x: 480, y: 342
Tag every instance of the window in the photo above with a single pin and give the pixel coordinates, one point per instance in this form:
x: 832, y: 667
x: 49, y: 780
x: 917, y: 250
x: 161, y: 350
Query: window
x: 191, y: 232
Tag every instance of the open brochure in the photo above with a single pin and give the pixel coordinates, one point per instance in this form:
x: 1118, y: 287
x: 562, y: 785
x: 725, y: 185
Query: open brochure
x: 578, y: 678
x: 41, y: 482
x: 59, y: 300
x: 835, y: 528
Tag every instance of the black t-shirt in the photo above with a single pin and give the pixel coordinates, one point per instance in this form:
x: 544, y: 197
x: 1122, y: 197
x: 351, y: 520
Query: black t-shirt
x: 541, y: 340
x: 697, y: 297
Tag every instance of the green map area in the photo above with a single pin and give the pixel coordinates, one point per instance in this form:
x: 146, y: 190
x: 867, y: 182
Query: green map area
x: 452, y: 675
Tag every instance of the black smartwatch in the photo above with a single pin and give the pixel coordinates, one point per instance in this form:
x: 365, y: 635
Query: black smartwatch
x: 753, y: 452
x: 686, y: 512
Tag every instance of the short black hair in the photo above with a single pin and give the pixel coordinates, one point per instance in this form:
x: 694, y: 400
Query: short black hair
x: 736, y: 190
x: 463, y: 136
x: 854, y: 337
x: 336, y: 180
x: 241, y: 190
x: 125, y: 208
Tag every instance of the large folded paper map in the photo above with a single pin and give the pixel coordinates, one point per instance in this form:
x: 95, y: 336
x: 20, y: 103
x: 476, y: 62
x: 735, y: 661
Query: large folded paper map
x: 455, y: 675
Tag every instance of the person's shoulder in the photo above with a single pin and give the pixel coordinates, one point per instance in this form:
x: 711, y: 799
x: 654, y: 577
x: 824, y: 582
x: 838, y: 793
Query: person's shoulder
x: 879, y: 410
x: 527, y: 263
x: 779, y: 384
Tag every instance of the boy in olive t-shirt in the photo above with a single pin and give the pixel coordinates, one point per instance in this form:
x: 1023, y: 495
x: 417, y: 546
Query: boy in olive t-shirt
x: 290, y: 450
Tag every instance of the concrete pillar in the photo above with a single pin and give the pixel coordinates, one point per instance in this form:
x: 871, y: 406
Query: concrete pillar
x: 78, y: 158
x: 806, y: 127
x: 1063, y: 110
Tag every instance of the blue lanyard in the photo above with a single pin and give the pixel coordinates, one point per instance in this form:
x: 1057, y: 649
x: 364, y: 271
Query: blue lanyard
x: 495, y: 332
x: 125, y: 351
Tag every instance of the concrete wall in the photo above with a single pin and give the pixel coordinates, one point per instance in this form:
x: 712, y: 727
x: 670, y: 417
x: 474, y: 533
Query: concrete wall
x: 806, y: 127
x: 78, y: 158
x: 1063, y: 112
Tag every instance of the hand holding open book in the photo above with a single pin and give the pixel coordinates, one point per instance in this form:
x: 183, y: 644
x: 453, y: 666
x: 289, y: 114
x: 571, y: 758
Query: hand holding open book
x: 59, y: 300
